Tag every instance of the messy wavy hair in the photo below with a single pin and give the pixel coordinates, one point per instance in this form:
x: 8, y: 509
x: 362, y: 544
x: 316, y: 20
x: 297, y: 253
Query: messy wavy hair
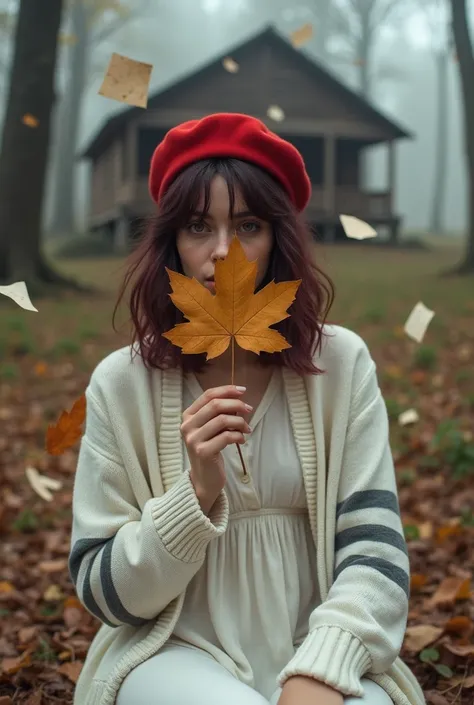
x: 152, y: 311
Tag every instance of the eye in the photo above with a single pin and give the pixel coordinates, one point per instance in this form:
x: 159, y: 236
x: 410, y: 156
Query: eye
x: 197, y: 227
x: 250, y: 226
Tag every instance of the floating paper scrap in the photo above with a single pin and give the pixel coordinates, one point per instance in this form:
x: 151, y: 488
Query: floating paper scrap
x: 42, y: 484
x: 230, y: 65
x: 274, y: 112
x: 127, y: 81
x: 301, y: 35
x: 408, y: 417
x: 19, y: 294
x: 30, y: 120
x: 356, y: 229
x: 418, y: 321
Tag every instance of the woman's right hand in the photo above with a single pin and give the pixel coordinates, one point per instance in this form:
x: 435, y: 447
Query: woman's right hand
x: 212, y: 422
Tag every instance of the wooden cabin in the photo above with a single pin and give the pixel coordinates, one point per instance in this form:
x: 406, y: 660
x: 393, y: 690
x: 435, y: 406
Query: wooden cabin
x: 329, y: 124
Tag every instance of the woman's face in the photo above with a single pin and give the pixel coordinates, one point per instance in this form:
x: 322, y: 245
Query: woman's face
x: 207, y: 239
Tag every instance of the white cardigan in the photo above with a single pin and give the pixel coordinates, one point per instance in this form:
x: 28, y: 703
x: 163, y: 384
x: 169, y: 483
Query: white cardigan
x: 139, y: 536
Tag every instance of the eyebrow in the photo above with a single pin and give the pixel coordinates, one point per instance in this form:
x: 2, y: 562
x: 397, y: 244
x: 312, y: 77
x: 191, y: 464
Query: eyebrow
x: 240, y: 214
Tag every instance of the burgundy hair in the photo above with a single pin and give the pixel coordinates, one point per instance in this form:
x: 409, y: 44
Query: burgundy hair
x: 152, y: 311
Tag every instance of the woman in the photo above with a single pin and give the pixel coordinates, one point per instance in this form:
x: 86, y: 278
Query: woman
x: 289, y: 583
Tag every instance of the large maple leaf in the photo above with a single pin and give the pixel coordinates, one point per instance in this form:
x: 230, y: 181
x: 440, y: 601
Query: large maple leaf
x: 235, y: 312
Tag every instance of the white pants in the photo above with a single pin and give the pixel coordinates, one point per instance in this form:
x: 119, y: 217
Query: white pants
x: 177, y: 675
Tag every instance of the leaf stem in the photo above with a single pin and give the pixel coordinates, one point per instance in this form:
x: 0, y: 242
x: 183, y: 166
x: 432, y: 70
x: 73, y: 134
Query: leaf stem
x: 232, y: 382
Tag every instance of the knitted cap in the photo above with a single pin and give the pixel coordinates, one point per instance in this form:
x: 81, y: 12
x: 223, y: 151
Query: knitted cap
x: 229, y: 135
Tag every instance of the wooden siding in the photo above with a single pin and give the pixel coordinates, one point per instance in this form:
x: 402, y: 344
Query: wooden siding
x: 268, y: 74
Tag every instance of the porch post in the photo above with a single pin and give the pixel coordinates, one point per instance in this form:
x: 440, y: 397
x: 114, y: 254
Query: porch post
x: 330, y: 185
x: 330, y: 174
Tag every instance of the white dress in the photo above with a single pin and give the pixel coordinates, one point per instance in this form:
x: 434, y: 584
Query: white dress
x: 264, y: 565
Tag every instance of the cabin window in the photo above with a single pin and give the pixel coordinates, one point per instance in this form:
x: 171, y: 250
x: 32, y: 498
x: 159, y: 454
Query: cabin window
x: 148, y: 140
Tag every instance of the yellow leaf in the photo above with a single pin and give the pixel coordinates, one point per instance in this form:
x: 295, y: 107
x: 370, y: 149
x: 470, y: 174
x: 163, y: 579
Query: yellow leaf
x: 53, y: 593
x: 30, y: 120
x: 40, y: 368
x: 234, y: 313
x: 6, y: 587
x: 302, y: 35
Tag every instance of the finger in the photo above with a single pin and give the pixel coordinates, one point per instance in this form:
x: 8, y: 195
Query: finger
x: 227, y: 391
x: 218, y: 443
x: 218, y: 425
x: 215, y: 408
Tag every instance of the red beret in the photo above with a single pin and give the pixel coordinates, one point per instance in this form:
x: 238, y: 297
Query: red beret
x: 229, y: 135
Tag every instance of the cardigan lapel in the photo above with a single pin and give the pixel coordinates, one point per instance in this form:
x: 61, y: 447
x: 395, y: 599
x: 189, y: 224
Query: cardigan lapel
x: 170, y: 448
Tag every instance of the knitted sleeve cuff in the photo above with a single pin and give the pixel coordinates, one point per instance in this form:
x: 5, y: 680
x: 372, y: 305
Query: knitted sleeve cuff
x: 333, y: 656
x: 182, y: 525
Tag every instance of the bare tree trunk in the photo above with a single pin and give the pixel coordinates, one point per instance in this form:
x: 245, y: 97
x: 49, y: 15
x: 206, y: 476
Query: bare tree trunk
x: 24, y: 149
x: 465, y: 54
x: 69, y: 115
x: 441, y: 153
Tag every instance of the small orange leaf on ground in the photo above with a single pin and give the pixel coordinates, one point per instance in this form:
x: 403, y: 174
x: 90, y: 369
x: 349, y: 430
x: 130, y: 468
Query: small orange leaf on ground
x: 6, y: 587
x: 40, y: 368
x: 64, y: 655
x: 68, y: 429
x: 445, y: 532
x: 72, y: 602
x: 15, y: 664
x: 234, y: 313
x: 418, y: 377
x: 417, y: 581
x: 394, y: 371
x: 460, y: 626
x: 419, y: 636
x: 71, y: 670
x: 450, y: 590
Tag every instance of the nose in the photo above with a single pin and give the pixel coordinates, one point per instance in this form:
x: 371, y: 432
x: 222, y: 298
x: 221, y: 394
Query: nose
x: 222, y: 245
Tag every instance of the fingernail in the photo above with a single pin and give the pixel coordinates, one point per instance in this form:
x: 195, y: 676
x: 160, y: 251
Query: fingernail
x: 248, y: 407
x: 241, y: 389
x: 249, y: 430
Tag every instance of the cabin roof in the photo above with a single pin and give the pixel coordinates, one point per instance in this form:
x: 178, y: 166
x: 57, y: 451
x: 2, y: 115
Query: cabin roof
x: 115, y: 123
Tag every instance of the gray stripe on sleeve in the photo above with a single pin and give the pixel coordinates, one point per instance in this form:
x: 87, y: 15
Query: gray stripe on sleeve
x: 371, y: 532
x: 389, y: 570
x: 112, y: 600
x: 114, y: 604
x: 381, y: 499
x: 80, y: 548
x: 88, y: 596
